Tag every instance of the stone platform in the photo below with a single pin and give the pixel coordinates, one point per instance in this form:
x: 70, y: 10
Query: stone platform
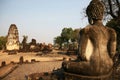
x: 70, y: 76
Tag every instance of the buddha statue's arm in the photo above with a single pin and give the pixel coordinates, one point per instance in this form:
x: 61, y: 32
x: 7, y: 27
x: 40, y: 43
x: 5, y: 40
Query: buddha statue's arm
x: 82, y: 44
x: 112, y: 43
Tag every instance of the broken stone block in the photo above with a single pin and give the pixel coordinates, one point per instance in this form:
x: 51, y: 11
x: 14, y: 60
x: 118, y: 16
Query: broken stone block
x: 33, y: 60
x: 3, y: 63
x: 12, y: 52
x: 21, y: 60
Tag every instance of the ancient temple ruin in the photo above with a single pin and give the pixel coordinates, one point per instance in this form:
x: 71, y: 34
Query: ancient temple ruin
x: 12, y: 38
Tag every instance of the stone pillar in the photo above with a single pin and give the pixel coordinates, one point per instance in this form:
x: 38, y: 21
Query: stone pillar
x: 21, y: 60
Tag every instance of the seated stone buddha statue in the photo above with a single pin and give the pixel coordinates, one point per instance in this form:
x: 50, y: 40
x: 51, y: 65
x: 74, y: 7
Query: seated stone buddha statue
x: 97, y: 45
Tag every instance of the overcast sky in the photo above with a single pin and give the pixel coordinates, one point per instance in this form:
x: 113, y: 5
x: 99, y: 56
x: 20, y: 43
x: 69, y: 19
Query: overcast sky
x: 41, y: 19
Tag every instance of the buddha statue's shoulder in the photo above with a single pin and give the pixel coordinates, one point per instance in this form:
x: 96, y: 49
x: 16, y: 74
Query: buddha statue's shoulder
x: 87, y: 29
x: 84, y: 30
x: 111, y: 31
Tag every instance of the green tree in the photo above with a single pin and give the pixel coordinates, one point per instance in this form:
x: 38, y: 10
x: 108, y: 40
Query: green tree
x: 3, y: 40
x: 58, y: 40
x: 75, y: 35
x: 67, y: 34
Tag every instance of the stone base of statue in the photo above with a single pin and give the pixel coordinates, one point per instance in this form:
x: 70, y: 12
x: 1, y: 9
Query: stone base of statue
x: 72, y: 76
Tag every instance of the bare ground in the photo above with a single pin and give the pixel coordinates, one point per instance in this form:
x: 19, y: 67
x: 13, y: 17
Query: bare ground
x: 49, y: 62
x: 27, y: 69
x: 28, y: 56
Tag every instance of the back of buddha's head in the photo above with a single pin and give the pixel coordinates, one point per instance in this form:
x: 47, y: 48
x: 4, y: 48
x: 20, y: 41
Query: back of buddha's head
x: 95, y: 10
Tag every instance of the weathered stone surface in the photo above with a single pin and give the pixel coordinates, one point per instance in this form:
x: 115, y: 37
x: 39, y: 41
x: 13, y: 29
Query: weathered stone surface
x: 97, y: 46
x: 95, y: 10
x: 12, y: 38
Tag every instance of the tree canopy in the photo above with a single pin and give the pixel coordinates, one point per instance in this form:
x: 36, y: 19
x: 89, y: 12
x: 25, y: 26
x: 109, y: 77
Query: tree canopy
x: 67, y: 35
x: 112, y: 8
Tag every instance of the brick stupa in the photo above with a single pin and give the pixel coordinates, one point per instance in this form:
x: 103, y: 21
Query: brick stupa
x: 12, y: 38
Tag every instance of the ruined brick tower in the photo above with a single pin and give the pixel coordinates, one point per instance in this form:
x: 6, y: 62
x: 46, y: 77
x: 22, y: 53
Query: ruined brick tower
x: 12, y: 38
